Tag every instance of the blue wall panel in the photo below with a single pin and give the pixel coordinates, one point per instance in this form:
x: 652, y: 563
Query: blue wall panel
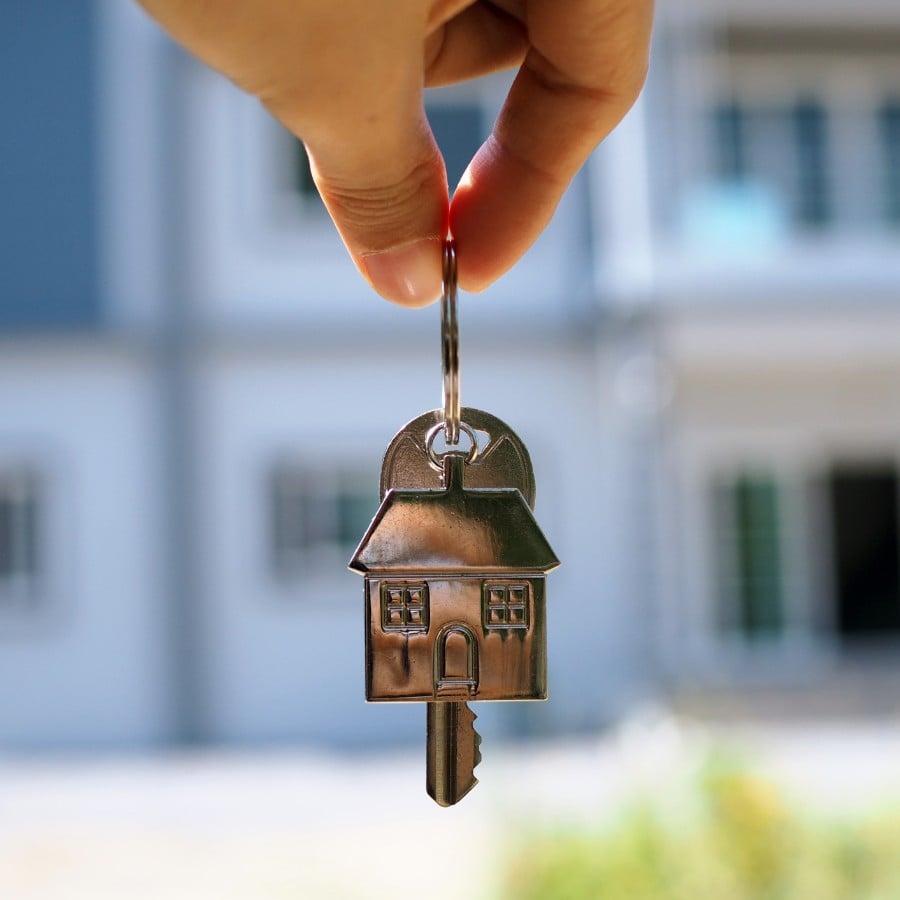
x: 48, y: 196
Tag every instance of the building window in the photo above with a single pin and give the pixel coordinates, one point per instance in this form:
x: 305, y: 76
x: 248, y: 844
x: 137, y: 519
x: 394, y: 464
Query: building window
x: 865, y: 540
x: 459, y: 131
x: 730, y: 143
x: 19, y: 556
x: 404, y: 606
x: 813, y: 205
x: 781, y: 151
x: 316, y: 517
x: 747, y: 526
x: 889, y: 127
x: 505, y: 605
x: 301, y: 177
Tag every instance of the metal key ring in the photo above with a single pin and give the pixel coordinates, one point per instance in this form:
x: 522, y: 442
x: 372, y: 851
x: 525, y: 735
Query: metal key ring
x: 436, y: 461
x: 450, y: 345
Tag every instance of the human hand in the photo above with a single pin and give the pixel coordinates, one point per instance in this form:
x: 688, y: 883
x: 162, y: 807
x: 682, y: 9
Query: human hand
x: 347, y: 77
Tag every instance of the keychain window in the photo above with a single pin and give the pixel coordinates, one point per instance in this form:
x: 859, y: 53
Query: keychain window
x: 505, y: 605
x: 404, y: 606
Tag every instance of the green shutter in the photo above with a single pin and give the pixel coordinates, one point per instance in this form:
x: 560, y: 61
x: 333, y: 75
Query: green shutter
x: 751, y: 588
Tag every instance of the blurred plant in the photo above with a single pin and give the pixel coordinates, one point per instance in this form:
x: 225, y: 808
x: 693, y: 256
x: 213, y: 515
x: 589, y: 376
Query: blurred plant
x: 736, y: 838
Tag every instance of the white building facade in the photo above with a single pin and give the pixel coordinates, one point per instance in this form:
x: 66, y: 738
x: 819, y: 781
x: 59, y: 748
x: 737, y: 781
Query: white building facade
x: 700, y: 354
x: 776, y: 277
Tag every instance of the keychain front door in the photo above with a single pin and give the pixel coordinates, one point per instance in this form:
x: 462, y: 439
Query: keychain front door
x: 455, y: 567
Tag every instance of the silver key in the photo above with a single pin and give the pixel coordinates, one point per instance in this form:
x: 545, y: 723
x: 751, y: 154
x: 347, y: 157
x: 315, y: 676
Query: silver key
x: 455, y: 565
x: 455, y: 601
x: 453, y: 751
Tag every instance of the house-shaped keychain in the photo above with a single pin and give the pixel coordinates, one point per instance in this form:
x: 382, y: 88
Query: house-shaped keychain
x: 454, y: 590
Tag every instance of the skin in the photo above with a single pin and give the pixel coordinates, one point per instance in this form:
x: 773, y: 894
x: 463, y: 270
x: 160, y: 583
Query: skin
x: 347, y: 77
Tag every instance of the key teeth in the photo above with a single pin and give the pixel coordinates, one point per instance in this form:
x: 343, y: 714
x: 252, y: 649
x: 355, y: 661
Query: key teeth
x: 477, y: 749
x: 453, y: 752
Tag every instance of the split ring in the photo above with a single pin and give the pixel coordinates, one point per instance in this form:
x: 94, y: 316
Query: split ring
x: 450, y: 346
x: 435, y: 430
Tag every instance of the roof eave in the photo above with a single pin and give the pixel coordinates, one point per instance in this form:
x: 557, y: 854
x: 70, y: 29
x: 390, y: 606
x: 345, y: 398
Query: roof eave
x: 417, y: 571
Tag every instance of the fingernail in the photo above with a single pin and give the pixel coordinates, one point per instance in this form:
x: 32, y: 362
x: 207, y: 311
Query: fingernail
x: 410, y: 275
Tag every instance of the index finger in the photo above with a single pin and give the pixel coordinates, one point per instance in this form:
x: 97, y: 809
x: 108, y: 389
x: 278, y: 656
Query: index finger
x: 585, y: 68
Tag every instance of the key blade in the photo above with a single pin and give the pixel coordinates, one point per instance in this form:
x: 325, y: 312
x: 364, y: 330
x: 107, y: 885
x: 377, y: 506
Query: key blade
x: 453, y: 752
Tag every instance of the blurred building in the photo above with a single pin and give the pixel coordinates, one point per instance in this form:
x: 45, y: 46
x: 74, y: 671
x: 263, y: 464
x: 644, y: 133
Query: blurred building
x: 774, y: 281
x: 702, y: 353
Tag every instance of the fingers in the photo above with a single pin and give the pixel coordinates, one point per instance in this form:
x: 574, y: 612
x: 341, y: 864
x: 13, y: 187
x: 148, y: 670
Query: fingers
x: 378, y: 169
x: 583, y: 72
x: 347, y: 79
x: 476, y: 41
x: 386, y: 191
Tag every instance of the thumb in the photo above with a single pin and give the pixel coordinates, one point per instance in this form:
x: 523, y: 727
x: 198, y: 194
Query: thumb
x: 347, y: 78
x: 384, y: 183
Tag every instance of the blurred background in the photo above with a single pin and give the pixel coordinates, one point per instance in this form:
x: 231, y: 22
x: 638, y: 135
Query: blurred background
x: 196, y: 387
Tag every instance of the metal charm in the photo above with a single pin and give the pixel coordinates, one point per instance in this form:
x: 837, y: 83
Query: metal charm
x: 455, y: 567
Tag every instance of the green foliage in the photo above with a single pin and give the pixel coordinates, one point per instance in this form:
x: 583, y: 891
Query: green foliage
x: 733, y: 837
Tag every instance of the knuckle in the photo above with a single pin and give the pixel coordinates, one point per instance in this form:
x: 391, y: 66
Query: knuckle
x: 385, y: 207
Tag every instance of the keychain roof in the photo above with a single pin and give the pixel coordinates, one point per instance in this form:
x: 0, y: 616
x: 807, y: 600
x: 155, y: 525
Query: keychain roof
x: 454, y: 530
